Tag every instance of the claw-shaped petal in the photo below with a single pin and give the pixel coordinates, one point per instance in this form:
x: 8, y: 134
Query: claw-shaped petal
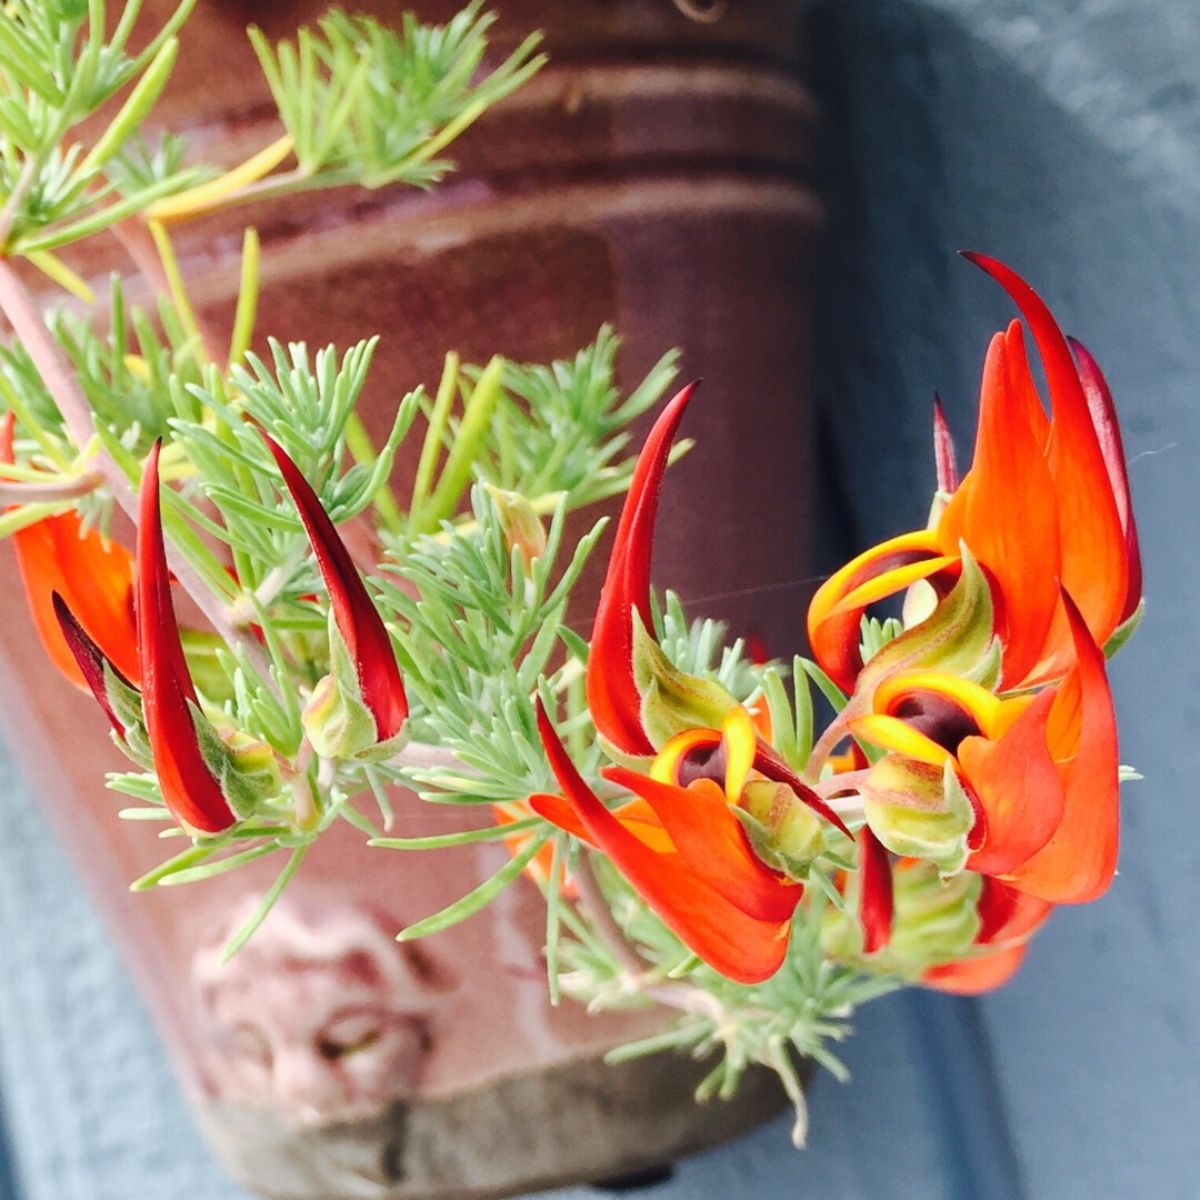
x: 1005, y: 510
x: 710, y: 840
x: 1094, y: 552
x: 612, y: 693
x: 1078, y: 862
x: 358, y: 620
x: 1108, y: 433
x: 91, y: 661
x: 875, y: 899
x: 189, y: 789
x: 837, y: 608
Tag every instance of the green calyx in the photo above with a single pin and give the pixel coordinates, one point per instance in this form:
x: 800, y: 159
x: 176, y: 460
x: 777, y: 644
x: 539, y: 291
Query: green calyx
x: 783, y: 831
x: 673, y: 701
x: 918, y: 810
x: 126, y: 704
x: 957, y: 637
x: 935, y: 919
x: 336, y: 719
x: 246, y: 769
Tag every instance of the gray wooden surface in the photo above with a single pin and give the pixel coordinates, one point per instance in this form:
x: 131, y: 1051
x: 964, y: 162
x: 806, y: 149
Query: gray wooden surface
x: 1063, y: 136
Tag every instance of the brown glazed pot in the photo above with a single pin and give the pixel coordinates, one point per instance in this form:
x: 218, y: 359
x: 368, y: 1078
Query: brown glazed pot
x: 653, y: 176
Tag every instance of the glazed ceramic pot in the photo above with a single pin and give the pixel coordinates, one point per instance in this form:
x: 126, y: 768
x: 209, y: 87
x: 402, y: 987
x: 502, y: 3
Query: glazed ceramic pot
x: 654, y: 176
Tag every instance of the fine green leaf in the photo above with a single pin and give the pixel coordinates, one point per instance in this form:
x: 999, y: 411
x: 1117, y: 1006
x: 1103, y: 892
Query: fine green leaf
x: 474, y: 900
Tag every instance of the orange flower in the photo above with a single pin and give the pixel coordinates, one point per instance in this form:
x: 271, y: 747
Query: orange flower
x: 1046, y: 501
x: 681, y: 846
x: 92, y: 574
x: 1041, y: 770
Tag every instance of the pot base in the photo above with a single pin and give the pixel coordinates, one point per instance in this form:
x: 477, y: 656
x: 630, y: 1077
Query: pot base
x: 577, y: 1121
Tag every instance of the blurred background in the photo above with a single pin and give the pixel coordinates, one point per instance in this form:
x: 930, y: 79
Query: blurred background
x: 1063, y: 137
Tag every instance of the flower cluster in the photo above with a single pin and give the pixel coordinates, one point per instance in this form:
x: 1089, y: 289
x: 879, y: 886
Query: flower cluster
x: 696, y: 846
x: 130, y: 655
x: 980, y: 783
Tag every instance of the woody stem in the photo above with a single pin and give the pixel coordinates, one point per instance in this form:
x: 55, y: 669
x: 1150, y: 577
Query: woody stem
x: 22, y: 312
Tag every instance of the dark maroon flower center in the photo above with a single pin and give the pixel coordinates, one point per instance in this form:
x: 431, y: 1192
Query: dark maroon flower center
x: 704, y: 762
x: 938, y: 718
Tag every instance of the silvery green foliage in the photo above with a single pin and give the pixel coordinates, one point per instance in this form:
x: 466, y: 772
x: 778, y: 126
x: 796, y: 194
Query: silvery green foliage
x: 481, y: 622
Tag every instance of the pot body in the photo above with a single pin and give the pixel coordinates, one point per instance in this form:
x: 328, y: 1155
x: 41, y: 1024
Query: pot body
x: 653, y: 177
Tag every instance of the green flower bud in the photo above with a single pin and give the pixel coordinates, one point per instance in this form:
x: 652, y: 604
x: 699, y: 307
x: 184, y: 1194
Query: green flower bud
x: 245, y: 768
x: 920, y: 811
x: 935, y: 919
x: 522, y: 527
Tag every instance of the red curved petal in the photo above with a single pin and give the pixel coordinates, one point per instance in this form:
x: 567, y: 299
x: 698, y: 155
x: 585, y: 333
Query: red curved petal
x: 1095, y: 565
x: 611, y: 692
x: 1008, y: 919
x: 357, y: 618
x: 89, y: 659
x: 768, y: 763
x: 559, y: 812
x: 740, y: 947
x: 1108, y: 433
x: 188, y: 787
x: 943, y: 450
x: 1008, y: 915
x: 974, y: 976
x: 1019, y: 788
x: 876, y: 901
x: 1079, y: 861
x: 1005, y: 510
x: 637, y: 816
x: 711, y: 841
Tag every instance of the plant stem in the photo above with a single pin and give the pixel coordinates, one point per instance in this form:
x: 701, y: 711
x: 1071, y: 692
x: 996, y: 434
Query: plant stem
x: 835, y: 731
x: 48, y: 493
x: 16, y: 198
x: 271, y: 187
x: 138, y: 242
x: 19, y: 307
x: 836, y: 785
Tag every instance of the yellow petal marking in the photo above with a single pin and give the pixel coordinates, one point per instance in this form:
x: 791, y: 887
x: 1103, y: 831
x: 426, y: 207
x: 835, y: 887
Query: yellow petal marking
x: 741, y: 743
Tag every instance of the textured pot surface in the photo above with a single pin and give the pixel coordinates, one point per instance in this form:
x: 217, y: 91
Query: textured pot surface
x: 653, y: 177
